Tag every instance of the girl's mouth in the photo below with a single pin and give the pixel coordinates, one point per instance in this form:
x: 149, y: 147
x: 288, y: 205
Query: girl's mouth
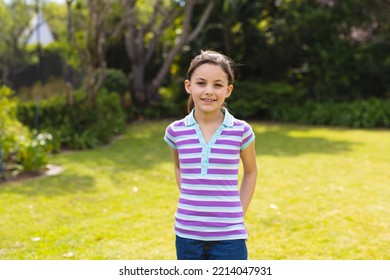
x: 207, y: 100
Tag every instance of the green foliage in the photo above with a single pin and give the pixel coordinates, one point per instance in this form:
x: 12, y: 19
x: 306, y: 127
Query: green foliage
x: 164, y: 109
x: 171, y: 104
x: 346, y: 58
x: 369, y: 113
x: 10, y: 128
x: 116, y: 81
x: 20, y: 149
x: 256, y: 100
x: 343, y: 59
x: 31, y: 155
x: 76, y: 126
x: 14, y: 17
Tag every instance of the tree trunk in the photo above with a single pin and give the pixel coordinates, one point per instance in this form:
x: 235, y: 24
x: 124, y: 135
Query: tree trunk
x: 138, y: 92
x: 5, y: 73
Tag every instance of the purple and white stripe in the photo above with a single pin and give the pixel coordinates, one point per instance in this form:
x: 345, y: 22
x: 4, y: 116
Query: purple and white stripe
x: 209, y: 206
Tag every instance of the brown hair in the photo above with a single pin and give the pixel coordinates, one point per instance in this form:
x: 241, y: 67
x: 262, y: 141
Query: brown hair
x: 211, y: 57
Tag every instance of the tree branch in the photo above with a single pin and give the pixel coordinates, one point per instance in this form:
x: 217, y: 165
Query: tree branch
x: 168, y: 20
x: 156, y: 10
x: 184, y: 39
x: 202, y: 21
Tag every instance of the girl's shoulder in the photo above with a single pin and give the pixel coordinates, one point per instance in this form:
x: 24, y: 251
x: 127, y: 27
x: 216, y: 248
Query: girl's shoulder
x: 175, y: 126
x: 177, y: 123
x: 241, y: 123
x: 233, y: 122
x: 187, y: 120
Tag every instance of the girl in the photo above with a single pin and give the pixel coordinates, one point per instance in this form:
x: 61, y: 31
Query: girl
x: 207, y: 146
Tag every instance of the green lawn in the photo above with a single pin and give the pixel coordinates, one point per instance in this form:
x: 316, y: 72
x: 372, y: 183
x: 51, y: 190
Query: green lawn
x: 322, y: 193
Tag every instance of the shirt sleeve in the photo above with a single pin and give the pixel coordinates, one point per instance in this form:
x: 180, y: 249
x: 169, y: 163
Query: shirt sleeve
x: 248, y: 136
x: 169, y: 137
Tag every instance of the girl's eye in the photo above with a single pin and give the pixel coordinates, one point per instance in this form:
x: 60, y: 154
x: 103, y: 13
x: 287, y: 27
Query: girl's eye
x: 218, y: 85
x: 200, y: 83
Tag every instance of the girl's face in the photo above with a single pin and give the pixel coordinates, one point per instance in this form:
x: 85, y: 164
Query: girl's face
x: 208, y: 87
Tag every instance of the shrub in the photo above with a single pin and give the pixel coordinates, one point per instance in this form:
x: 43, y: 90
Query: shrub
x: 20, y: 149
x: 256, y: 100
x: 116, y: 81
x: 77, y: 126
x: 171, y: 103
x: 163, y: 109
x: 369, y: 113
x: 31, y: 155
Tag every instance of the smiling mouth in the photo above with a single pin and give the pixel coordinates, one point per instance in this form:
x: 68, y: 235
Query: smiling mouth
x: 207, y: 100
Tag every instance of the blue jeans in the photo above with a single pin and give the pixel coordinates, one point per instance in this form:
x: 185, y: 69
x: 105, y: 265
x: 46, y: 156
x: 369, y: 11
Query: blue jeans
x: 190, y: 249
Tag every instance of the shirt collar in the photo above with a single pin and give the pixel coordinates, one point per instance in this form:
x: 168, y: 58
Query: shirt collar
x: 228, y: 120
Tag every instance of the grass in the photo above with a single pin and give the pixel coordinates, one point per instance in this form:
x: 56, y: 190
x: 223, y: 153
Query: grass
x: 322, y: 193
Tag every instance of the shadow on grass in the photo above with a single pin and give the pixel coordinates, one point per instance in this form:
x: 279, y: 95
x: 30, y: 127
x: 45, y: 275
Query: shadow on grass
x: 276, y: 141
x: 141, y: 147
x: 52, y: 186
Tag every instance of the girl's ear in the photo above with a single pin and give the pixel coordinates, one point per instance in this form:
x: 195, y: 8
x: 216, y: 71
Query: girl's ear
x: 229, y: 91
x: 187, y: 86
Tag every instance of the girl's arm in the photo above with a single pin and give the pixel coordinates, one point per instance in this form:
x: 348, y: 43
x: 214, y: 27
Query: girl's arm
x: 248, y: 184
x: 175, y: 155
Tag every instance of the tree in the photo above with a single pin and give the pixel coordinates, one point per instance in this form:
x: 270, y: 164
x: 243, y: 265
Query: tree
x: 344, y: 58
x: 14, y: 18
x: 89, y: 33
x: 143, y: 34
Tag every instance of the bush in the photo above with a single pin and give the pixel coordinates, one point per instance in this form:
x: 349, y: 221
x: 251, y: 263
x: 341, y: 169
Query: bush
x: 163, y: 109
x: 256, y: 100
x: 171, y: 103
x: 369, y: 113
x: 116, y: 81
x: 31, y: 155
x: 20, y: 149
x: 77, y: 126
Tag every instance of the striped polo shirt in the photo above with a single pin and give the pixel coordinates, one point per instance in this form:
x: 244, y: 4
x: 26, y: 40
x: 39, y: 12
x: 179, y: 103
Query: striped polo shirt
x: 209, y: 206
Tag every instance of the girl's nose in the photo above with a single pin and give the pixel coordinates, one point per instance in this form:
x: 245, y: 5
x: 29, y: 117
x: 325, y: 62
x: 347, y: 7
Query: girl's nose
x: 209, y: 90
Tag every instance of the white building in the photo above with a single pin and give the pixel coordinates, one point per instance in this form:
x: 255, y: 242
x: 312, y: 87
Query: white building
x: 39, y: 31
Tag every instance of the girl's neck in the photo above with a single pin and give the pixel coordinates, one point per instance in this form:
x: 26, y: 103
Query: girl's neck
x: 216, y: 117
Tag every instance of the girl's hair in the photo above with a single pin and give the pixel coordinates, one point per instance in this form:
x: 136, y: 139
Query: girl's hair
x: 211, y: 57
